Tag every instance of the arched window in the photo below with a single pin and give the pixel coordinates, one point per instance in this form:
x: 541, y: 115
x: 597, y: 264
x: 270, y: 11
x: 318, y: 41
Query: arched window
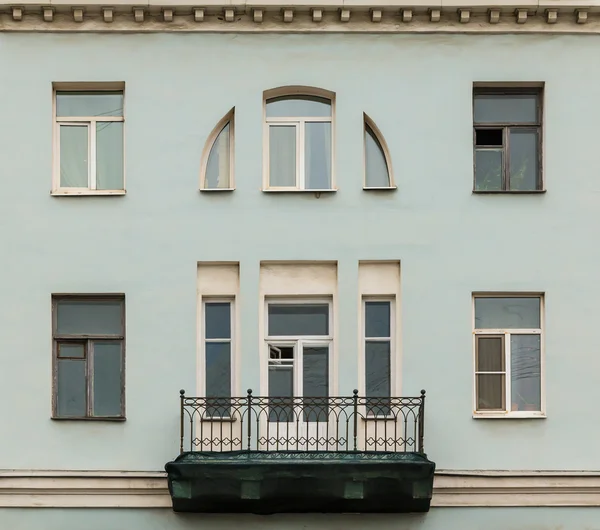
x: 216, y: 172
x: 298, y: 154
x: 378, y: 164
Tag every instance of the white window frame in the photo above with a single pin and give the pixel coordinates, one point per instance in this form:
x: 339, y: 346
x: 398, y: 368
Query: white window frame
x: 369, y: 123
x: 229, y: 118
x: 203, y: 341
x: 298, y: 343
x: 90, y: 122
x: 299, y: 123
x: 506, y: 333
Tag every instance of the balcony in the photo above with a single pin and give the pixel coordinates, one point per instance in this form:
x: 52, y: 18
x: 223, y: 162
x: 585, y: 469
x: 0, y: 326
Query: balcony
x: 267, y: 455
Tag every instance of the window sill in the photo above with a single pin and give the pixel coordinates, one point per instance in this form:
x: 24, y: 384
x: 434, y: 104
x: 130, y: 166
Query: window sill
x: 295, y: 190
x: 513, y: 415
x: 210, y: 190
x: 86, y: 193
x: 381, y: 188
x: 74, y: 418
x: 508, y: 192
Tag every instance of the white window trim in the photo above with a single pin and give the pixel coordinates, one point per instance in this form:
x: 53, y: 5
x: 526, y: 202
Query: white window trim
x: 298, y: 342
x: 509, y: 414
x: 229, y: 118
x: 201, y: 384
x: 300, y: 123
x: 368, y: 122
x: 91, y: 122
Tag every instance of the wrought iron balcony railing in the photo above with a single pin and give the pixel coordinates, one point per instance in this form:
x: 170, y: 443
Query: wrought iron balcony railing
x: 314, y: 424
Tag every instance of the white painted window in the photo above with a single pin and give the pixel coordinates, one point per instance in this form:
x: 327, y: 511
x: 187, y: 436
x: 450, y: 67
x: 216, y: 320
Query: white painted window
x: 508, y: 355
x: 298, y: 348
x: 217, y: 341
x: 88, y: 142
x: 217, y: 159
x: 299, y: 143
x: 378, y: 165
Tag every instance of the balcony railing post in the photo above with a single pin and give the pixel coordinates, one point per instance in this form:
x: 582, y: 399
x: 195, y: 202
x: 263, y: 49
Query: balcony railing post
x: 181, y: 411
x: 422, y: 422
x: 249, y: 417
x: 355, y: 414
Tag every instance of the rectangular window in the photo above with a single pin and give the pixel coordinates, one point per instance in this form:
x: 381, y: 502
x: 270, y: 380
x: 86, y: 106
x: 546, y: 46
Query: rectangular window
x: 218, y: 319
x: 88, y: 142
x: 378, y: 325
x: 507, y: 127
x: 508, y: 355
x: 89, y: 357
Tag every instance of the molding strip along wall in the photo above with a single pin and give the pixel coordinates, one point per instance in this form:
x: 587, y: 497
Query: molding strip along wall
x: 306, y: 16
x: 112, y: 489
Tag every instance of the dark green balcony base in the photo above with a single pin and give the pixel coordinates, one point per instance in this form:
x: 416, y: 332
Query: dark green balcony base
x: 264, y: 482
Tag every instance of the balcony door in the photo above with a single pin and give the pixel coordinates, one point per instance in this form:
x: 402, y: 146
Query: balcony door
x: 298, y: 349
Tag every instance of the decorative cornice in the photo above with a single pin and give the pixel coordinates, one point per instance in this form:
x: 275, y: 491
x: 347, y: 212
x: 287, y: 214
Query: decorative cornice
x: 305, y: 16
x: 122, y: 489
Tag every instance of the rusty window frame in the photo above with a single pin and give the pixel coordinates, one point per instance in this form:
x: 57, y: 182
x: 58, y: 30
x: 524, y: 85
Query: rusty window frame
x: 506, y: 126
x: 87, y: 340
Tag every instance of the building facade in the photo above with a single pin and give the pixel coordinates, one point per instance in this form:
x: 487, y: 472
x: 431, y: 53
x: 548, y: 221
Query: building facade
x: 304, y: 201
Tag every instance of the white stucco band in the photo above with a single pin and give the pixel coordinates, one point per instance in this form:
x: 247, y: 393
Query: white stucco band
x: 80, y: 489
x: 305, y: 16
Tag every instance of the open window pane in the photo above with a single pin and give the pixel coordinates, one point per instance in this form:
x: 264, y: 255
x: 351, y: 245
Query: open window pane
x: 523, y: 162
x: 109, y: 155
x: 525, y: 372
x: 507, y: 313
x: 298, y: 319
x: 218, y: 172
x: 89, y: 317
x: 377, y: 172
x: 490, y: 392
x: 377, y: 319
x: 315, y: 383
x: 218, y: 378
x: 282, y: 156
x: 298, y: 106
x: 107, y: 375
x: 70, y: 388
x: 217, y: 320
x: 318, y: 155
x: 488, y: 169
x: 89, y: 104
x: 505, y: 108
x: 281, y: 386
x: 490, y: 354
x: 74, y: 156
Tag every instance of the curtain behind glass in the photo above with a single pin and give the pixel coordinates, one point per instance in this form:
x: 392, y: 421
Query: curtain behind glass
x: 318, y: 155
x: 217, y: 167
x: 282, y: 156
x: 73, y: 156
x: 109, y: 155
x: 377, y: 175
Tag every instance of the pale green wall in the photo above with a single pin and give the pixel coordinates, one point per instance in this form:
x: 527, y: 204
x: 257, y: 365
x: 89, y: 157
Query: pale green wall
x: 418, y: 91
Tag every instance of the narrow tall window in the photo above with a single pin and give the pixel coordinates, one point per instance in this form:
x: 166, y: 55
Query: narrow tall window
x: 378, y: 173
x: 217, y: 356
x: 217, y: 159
x: 88, y: 142
x: 507, y: 135
x: 508, y: 360
x: 89, y: 357
x: 378, y: 350
x: 299, y: 146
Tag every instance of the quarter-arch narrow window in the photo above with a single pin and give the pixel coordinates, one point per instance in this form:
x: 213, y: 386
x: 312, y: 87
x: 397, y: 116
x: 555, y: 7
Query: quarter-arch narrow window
x: 378, y: 166
x: 217, y: 159
x: 299, y: 142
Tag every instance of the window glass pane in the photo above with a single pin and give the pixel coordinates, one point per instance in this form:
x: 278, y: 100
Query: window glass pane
x: 490, y: 354
x: 217, y: 320
x: 70, y: 388
x: 507, y: 313
x: 318, y: 156
x: 377, y: 174
x: 490, y: 392
x: 523, y: 155
x: 70, y: 349
x: 217, y: 167
x: 377, y: 364
x: 218, y: 378
x: 89, y: 317
x: 488, y: 170
x: 108, y: 378
x: 489, y: 137
x: 298, y: 106
x: 315, y: 383
x: 298, y: 319
x: 74, y: 161
x: 282, y: 156
x: 281, y: 385
x: 109, y: 156
x: 89, y: 104
x: 377, y: 319
x: 511, y: 108
x: 525, y: 366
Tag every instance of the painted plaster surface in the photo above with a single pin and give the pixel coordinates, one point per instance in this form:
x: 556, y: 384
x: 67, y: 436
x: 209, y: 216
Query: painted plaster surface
x: 450, y: 242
